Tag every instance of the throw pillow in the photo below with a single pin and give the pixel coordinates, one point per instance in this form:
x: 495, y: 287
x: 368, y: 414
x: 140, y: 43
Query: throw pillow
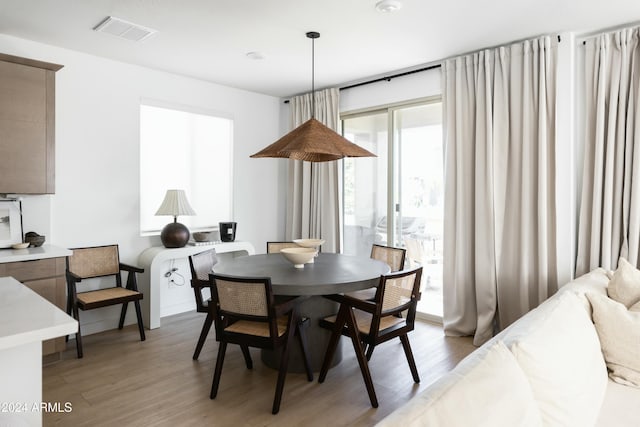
x: 562, y: 359
x: 490, y: 390
x: 619, y: 332
x: 624, y: 287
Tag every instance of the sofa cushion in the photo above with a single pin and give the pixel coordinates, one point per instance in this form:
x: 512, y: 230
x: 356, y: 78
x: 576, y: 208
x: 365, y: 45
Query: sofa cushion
x: 487, y: 388
x: 560, y: 355
x: 620, y: 406
x: 595, y: 281
x: 619, y: 332
x: 624, y: 287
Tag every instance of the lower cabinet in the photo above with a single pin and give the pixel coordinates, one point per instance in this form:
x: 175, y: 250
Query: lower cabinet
x: 46, y: 277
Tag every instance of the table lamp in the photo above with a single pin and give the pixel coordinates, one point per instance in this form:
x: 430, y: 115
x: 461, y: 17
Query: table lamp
x: 174, y: 234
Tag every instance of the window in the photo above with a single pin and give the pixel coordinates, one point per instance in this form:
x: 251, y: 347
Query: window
x: 186, y: 150
x: 397, y: 198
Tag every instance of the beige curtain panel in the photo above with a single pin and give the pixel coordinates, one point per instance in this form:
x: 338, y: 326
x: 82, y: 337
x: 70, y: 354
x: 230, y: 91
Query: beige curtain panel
x: 313, y: 200
x: 500, y: 213
x: 609, y: 224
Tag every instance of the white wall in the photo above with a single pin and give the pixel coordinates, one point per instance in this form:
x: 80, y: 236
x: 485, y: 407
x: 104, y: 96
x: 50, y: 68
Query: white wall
x: 405, y: 88
x: 97, y: 155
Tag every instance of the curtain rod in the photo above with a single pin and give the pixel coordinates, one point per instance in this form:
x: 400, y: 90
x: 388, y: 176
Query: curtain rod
x: 387, y: 78
x: 393, y: 76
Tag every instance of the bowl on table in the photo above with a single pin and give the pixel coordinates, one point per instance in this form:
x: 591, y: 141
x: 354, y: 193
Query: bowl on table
x: 201, y: 236
x: 309, y: 243
x: 299, y: 256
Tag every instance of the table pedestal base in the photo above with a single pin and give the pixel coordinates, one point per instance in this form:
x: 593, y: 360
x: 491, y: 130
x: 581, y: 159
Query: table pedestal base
x: 314, y: 308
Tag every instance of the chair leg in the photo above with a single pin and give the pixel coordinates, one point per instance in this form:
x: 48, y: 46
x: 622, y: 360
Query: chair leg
x: 78, y: 334
x: 362, y: 361
x: 247, y: 356
x: 123, y: 314
x: 302, y: 337
x: 333, y: 342
x: 69, y: 309
x: 370, y: 351
x: 222, y: 348
x: 284, y: 364
x: 203, y: 335
x: 140, y: 322
x: 412, y: 363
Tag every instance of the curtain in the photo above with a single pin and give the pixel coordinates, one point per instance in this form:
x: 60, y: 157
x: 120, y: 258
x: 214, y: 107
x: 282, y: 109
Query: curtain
x: 609, y: 223
x: 500, y: 213
x: 313, y: 200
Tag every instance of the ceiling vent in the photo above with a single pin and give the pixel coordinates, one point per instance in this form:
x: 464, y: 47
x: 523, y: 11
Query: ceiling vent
x: 123, y: 29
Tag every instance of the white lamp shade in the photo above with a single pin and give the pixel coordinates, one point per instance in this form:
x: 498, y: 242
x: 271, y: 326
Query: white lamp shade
x: 175, y: 203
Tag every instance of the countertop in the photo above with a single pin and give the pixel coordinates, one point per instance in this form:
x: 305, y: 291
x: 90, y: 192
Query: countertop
x: 26, y: 317
x: 30, y: 254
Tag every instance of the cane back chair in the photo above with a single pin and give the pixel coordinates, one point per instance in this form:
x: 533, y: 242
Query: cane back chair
x: 201, y: 266
x: 245, y: 313
x: 99, y: 262
x: 373, y: 322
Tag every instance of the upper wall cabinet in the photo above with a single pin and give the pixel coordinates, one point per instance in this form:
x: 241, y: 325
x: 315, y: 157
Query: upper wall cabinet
x: 27, y: 125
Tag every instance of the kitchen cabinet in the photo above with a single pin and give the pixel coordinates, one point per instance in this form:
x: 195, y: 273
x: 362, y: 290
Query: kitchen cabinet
x: 43, y: 271
x: 27, y: 125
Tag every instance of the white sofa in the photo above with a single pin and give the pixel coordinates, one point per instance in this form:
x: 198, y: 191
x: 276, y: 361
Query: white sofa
x: 545, y: 369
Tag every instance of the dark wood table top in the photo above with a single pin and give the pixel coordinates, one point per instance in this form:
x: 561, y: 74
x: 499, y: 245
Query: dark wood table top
x: 328, y: 274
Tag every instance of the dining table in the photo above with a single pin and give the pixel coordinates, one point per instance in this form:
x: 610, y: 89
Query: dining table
x: 329, y: 273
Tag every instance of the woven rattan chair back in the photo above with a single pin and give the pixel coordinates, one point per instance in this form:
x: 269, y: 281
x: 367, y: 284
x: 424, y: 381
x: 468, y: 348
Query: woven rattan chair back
x: 238, y: 298
x: 394, y: 257
x: 95, y: 262
x: 202, y: 264
x: 276, y: 247
x: 398, y: 291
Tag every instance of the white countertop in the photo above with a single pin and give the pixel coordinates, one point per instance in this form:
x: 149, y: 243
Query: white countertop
x: 29, y: 254
x: 26, y: 317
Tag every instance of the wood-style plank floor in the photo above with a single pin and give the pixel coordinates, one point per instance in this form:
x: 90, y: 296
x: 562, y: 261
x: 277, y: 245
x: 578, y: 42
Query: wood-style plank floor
x: 124, y: 382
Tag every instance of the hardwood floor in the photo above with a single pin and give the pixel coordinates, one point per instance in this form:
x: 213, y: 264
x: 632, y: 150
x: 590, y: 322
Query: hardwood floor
x: 124, y: 382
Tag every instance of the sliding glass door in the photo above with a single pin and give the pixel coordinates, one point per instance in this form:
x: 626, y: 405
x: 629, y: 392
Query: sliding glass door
x: 396, y: 199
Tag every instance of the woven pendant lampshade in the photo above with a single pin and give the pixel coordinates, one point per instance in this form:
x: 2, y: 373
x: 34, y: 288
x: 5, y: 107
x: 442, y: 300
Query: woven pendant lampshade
x: 312, y: 141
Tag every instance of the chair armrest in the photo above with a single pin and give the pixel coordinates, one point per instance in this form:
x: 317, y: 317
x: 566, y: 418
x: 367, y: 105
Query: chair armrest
x: 368, y: 306
x: 73, y: 277
x: 199, y: 284
x: 131, y: 268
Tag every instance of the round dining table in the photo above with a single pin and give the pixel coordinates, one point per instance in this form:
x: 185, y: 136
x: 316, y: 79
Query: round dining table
x: 328, y: 274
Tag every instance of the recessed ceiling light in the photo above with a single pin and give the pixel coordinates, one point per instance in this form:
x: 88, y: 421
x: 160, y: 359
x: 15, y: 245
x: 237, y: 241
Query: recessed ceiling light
x: 388, y: 6
x: 255, y: 55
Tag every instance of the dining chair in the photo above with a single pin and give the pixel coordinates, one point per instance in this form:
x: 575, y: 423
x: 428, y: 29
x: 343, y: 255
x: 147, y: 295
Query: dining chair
x: 276, y: 247
x: 245, y: 313
x: 201, y: 265
x: 393, y: 257
x: 373, y: 322
x: 100, y: 262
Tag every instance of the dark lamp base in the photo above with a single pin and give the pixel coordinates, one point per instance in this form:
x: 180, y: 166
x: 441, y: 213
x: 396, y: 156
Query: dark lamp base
x: 174, y: 235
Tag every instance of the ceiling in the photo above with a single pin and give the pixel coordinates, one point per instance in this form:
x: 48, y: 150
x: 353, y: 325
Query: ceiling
x: 209, y: 39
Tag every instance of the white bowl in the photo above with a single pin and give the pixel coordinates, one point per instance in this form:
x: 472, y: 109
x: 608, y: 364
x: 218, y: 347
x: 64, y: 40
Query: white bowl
x: 20, y: 245
x: 298, y: 256
x: 309, y: 243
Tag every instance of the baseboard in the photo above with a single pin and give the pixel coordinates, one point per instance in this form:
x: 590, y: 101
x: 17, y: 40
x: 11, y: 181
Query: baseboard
x: 431, y: 318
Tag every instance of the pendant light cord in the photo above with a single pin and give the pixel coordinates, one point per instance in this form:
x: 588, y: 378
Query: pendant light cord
x: 313, y: 78
x: 313, y: 35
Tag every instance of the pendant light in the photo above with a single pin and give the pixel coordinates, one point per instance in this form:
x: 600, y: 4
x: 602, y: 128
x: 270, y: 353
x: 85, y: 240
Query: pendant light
x: 312, y: 141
